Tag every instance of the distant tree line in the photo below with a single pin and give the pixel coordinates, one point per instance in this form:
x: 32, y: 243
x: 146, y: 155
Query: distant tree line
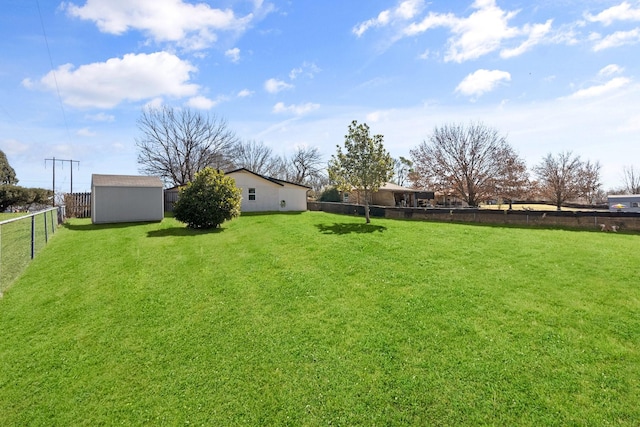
x: 476, y: 164
x: 14, y: 196
x: 473, y: 162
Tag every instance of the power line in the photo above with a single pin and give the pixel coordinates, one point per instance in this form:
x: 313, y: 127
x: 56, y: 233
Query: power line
x: 54, y: 160
x: 53, y: 71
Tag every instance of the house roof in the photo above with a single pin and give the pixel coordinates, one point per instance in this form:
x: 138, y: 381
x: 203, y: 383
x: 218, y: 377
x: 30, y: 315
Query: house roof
x: 624, y: 196
x: 390, y: 186
x: 98, y: 180
x: 276, y: 181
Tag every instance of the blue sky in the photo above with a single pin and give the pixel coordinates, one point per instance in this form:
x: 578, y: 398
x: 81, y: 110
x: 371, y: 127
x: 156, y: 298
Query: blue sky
x: 552, y: 75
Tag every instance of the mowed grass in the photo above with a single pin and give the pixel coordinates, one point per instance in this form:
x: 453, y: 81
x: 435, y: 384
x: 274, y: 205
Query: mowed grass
x: 16, y: 241
x: 318, y: 319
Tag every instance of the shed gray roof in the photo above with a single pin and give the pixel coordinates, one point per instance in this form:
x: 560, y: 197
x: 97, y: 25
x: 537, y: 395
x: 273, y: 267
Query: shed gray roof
x: 98, y: 180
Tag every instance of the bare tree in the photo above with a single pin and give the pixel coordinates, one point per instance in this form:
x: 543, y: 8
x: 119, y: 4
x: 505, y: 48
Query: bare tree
x: 631, y: 179
x: 590, y: 185
x: 177, y: 144
x: 513, y: 181
x: 258, y: 158
x: 467, y: 160
x: 402, y: 168
x: 305, y: 165
x: 559, y: 177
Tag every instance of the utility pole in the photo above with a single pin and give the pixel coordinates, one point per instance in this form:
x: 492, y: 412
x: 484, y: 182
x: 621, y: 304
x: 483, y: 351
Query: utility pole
x: 53, y: 160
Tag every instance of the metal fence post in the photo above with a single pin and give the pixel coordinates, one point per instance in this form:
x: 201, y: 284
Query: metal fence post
x: 46, y: 232
x: 33, y: 236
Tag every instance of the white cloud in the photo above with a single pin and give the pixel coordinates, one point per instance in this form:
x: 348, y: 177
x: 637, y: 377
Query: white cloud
x: 202, y: 103
x: 405, y: 11
x: 432, y: 20
x: 602, y: 89
x: 484, y: 31
x: 425, y: 54
x: 482, y: 81
x: 297, y: 110
x: 85, y: 132
x: 377, y: 116
x: 100, y: 117
x: 233, y: 54
x: 610, y: 70
x: 134, y: 77
x: 155, y: 103
x: 275, y: 85
x: 536, y: 34
x: 245, y: 93
x: 619, y: 38
x: 308, y: 69
x: 193, y: 26
x: 13, y: 147
x: 622, y: 12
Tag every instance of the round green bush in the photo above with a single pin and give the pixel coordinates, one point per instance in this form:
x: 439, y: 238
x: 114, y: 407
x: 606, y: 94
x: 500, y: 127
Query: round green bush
x: 209, y: 200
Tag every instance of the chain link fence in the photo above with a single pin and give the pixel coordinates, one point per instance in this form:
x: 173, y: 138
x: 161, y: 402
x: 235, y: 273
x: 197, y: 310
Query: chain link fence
x: 22, y: 238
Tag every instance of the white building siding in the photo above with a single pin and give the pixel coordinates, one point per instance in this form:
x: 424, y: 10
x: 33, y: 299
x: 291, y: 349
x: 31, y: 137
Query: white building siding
x: 112, y: 201
x: 270, y: 195
x: 295, y: 198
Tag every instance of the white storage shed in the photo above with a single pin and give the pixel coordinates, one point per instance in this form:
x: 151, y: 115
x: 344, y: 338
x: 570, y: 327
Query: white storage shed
x: 126, y: 198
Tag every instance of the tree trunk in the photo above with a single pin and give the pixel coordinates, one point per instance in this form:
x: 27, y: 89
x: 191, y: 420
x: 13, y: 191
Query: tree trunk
x: 366, y: 206
x: 366, y: 211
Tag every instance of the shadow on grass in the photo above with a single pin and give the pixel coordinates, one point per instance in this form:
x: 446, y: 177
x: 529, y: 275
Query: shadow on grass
x: 182, y: 231
x: 90, y: 226
x: 347, y: 228
x: 269, y: 213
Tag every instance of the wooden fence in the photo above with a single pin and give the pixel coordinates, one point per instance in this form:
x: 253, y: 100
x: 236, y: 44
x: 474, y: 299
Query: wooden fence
x: 78, y: 205
x: 170, y: 198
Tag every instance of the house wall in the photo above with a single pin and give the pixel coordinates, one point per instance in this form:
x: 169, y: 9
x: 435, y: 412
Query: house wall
x: 383, y: 198
x: 269, y: 194
x: 266, y: 193
x: 295, y: 198
x: 126, y: 204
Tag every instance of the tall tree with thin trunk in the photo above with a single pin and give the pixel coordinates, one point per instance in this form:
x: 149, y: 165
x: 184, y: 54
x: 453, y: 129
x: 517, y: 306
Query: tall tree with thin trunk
x: 178, y: 143
x: 631, y: 177
x: 468, y: 160
x: 364, y: 165
x: 559, y: 177
x: 590, y: 185
x: 513, y: 180
x: 402, y: 168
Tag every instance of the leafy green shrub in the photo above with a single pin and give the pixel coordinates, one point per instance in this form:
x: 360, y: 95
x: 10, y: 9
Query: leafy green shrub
x: 208, y: 201
x: 330, y: 195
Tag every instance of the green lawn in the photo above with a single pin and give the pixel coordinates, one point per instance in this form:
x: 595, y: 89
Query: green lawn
x: 15, y: 243
x: 317, y: 319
